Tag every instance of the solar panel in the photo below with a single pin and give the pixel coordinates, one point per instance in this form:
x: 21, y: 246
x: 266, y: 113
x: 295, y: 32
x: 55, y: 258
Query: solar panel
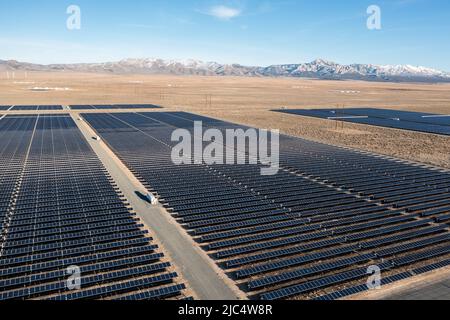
x: 61, y: 208
x: 114, y: 106
x: 325, y: 203
x: 36, y: 108
x: 317, y: 284
x: 117, y: 288
x: 155, y: 294
x: 432, y: 266
x: 363, y: 287
x: 281, y: 264
x: 415, y: 121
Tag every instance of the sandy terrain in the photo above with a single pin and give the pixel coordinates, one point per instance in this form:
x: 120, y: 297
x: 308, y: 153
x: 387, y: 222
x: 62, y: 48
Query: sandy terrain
x: 249, y: 101
x: 403, y: 287
x: 203, y: 278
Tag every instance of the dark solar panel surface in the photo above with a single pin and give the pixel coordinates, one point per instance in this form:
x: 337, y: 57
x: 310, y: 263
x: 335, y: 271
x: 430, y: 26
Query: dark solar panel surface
x: 114, y: 106
x: 317, y: 224
x: 414, y: 121
x: 37, y: 108
x: 59, y: 208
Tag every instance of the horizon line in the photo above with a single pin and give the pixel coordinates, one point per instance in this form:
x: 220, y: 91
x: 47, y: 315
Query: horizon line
x: 214, y: 61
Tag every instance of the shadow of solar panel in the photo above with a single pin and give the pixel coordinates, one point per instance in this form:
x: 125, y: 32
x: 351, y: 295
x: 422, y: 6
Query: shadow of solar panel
x: 63, y: 209
x: 422, y: 256
x: 415, y: 121
x: 118, y: 288
x: 37, y: 108
x: 363, y: 287
x: 115, y: 106
x: 325, y: 203
x: 24, y: 108
x: 156, y: 294
x: 81, y: 107
x: 432, y: 267
x: 317, y: 284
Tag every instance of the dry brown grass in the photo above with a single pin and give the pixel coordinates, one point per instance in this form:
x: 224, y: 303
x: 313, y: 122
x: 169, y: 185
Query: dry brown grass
x: 249, y: 101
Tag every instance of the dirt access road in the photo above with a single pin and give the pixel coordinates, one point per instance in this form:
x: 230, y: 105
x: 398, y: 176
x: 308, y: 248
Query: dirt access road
x: 203, y: 276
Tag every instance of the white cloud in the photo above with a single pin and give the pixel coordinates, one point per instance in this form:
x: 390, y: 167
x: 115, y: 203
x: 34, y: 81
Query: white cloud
x: 224, y: 12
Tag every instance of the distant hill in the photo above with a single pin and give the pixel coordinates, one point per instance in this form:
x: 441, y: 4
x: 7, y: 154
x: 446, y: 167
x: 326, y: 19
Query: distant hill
x: 318, y: 69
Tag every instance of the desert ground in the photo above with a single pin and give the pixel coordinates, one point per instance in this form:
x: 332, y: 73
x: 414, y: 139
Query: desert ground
x: 249, y: 101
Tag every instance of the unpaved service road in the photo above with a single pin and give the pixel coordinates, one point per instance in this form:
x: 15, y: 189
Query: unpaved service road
x: 430, y: 286
x: 201, y: 274
x: 248, y: 100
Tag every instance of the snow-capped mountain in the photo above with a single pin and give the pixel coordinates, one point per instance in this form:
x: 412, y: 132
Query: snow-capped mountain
x: 319, y: 69
x: 329, y: 70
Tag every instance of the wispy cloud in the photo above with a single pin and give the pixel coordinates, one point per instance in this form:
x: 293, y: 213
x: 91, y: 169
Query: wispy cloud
x: 224, y: 12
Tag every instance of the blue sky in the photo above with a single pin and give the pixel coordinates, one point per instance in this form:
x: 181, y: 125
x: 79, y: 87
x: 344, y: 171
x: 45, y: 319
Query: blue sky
x: 250, y: 32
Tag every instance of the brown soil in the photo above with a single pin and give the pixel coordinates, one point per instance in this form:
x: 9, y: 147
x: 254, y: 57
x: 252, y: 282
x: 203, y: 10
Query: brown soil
x: 249, y: 101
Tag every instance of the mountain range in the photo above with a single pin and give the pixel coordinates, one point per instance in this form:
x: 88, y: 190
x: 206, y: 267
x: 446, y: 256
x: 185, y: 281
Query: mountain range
x: 317, y: 69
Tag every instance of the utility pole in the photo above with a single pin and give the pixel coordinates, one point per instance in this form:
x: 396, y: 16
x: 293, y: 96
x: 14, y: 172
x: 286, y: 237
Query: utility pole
x: 337, y: 120
x: 208, y: 100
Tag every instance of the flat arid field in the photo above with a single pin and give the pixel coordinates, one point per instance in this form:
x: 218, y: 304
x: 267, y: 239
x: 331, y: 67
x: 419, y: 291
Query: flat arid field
x: 250, y: 101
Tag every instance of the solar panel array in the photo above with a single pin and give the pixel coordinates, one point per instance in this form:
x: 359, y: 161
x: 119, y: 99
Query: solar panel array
x: 114, y: 106
x: 5, y: 108
x: 414, y: 121
x: 36, y: 108
x: 315, y: 226
x: 385, y: 281
x: 59, y: 208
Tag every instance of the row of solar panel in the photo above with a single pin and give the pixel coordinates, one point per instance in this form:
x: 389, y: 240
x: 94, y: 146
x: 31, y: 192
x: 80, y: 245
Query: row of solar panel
x: 413, y: 197
x: 77, y: 107
x: 114, y: 106
x: 405, y: 191
x: 64, y: 210
x: 348, y: 275
x: 308, y: 236
x: 147, y: 261
x: 31, y: 108
x: 249, y: 259
x: 235, y: 211
x: 339, y: 264
x: 415, y: 121
x: 385, y: 280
